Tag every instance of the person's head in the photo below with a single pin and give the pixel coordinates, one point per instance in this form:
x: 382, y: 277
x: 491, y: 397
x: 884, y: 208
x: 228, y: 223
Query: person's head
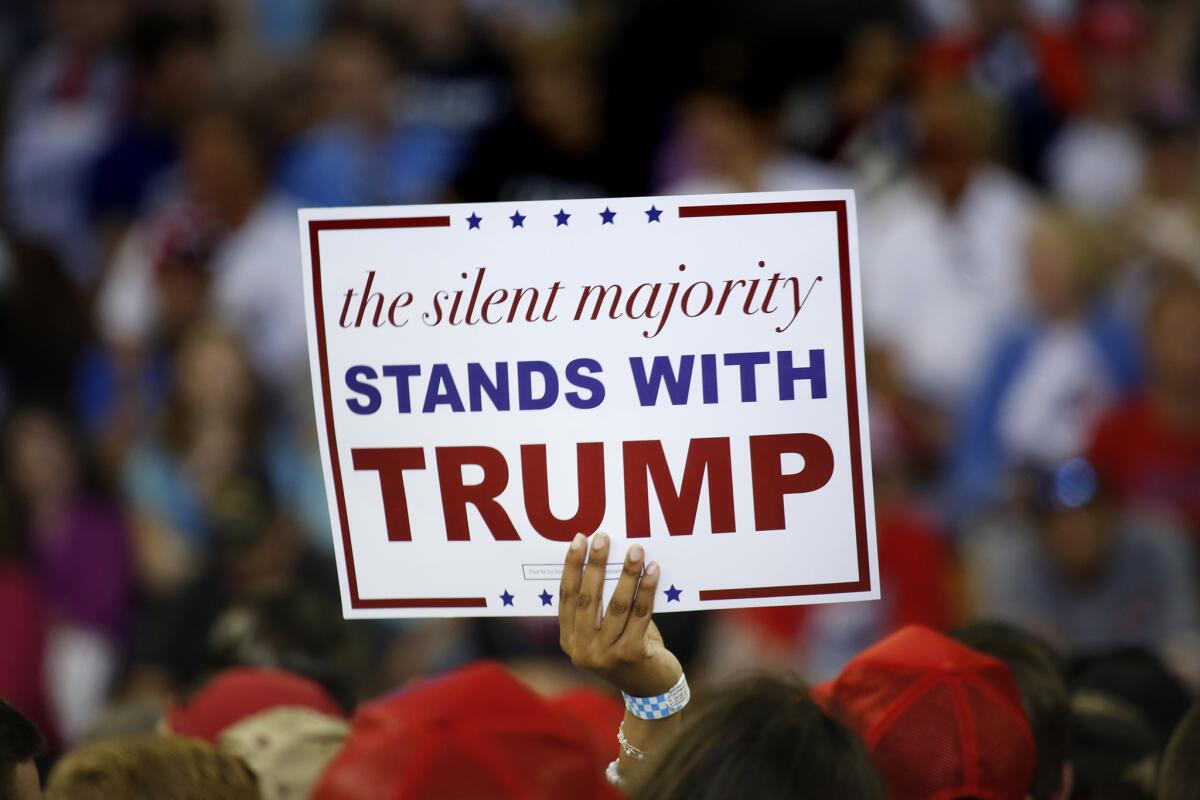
x: 1172, y: 146
x: 213, y: 379
x: 557, y: 88
x: 41, y: 457
x: 939, y: 719
x: 474, y: 732
x: 225, y: 161
x: 1137, y: 678
x: 1172, y: 331
x: 1061, y: 264
x: 151, y: 768
x: 1073, y: 520
x: 1039, y: 679
x: 957, y: 130
x: 762, y: 737
x: 287, y: 748
x: 237, y: 694
x: 1179, y: 771
x: 171, y: 56
x: 20, y: 743
x: 353, y: 78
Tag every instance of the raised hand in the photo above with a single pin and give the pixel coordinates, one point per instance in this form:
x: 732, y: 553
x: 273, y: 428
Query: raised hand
x: 621, y: 644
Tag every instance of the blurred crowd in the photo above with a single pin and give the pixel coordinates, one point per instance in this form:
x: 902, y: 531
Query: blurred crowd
x: 1028, y: 182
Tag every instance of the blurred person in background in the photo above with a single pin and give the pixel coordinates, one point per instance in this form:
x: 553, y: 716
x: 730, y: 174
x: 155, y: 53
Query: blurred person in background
x: 77, y: 546
x: 1084, y: 574
x: 1125, y: 705
x: 1028, y: 67
x: 1161, y: 223
x: 360, y: 152
x: 1094, y: 165
x: 1147, y: 450
x: 255, y: 552
x: 728, y: 138
x: 254, y: 264
x: 1053, y: 373
x: 170, y: 56
x: 454, y: 80
x: 213, y: 423
x: 942, y: 266
x: 59, y: 116
x: 151, y: 768
x: 20, y: 743
x: 552, y: 143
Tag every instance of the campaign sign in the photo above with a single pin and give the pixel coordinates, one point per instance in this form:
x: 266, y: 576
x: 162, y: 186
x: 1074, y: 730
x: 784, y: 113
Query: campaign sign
x: 681, y: 372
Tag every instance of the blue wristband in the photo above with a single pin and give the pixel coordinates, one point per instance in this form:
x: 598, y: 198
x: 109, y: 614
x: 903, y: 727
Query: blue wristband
x: 661, y: 706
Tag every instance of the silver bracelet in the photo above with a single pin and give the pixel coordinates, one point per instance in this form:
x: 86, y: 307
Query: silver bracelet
x: 627, y: 748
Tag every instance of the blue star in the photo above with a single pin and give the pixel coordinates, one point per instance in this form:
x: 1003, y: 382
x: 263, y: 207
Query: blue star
x: 562, y: 217
x: 518, y: 221
x: 473, y: 221
x: 653, y: 214
x: 607, y: 215
x: 673, y: 594
x: 507, y: 598
x: 546, y: 597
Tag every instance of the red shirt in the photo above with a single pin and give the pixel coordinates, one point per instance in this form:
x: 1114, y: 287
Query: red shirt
x: 1146, y: 463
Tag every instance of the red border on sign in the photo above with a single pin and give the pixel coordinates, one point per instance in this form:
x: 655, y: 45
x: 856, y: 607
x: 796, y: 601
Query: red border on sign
x: 314, y: 229
x: 837, y: 207
x: 863, y: 583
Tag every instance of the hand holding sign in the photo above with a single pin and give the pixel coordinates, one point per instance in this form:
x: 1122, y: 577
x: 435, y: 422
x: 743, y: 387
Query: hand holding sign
x: 621, y: 645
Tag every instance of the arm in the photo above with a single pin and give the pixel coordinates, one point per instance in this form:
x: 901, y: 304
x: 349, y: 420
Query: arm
x: 621, y: 644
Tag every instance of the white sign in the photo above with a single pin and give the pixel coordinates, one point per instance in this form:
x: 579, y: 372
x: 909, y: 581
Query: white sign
x: 682, y: 372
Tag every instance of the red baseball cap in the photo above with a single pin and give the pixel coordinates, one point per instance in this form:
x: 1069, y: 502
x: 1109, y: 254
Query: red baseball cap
x: 475, y: 732
x: 597, y: 714
x: 941, y: 721
x: 237, y: 693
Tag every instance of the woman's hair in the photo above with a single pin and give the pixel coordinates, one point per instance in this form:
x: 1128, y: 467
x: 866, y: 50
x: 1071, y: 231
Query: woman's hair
x: 151, y: 768
x: 762, y: 737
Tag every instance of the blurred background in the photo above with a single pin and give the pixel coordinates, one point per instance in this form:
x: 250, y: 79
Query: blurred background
x: 1028, y: 176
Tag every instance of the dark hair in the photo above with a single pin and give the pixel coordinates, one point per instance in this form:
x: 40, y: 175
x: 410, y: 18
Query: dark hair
x: 1137, y: 677
x: 762, y: 737
x: 1038, y: 675
x: 1179, y: 774
x: 20, y: 741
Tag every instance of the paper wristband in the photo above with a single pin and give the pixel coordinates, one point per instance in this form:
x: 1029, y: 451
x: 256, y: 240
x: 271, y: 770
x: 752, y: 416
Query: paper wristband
x: 661, y: 706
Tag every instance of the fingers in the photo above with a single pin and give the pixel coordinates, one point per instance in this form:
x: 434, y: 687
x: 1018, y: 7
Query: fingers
x: 568, y: 586
x: 643, y: 606
x: 622, y: 599
x: 587, y: 601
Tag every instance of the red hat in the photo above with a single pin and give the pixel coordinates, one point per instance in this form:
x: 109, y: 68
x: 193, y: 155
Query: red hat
x: 596, y: 713
x: 940, y: 720
x: 475, y: 732
x: 234, y: 694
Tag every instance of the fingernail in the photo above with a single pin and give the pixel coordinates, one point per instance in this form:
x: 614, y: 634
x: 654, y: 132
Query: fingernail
x: 578, y: 541
x: 635, y: 553
x: 652, y: 568
x: 600, y: 541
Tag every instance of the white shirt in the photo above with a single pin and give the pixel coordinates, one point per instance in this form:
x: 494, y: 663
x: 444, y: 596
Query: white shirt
x: 939, y: 284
